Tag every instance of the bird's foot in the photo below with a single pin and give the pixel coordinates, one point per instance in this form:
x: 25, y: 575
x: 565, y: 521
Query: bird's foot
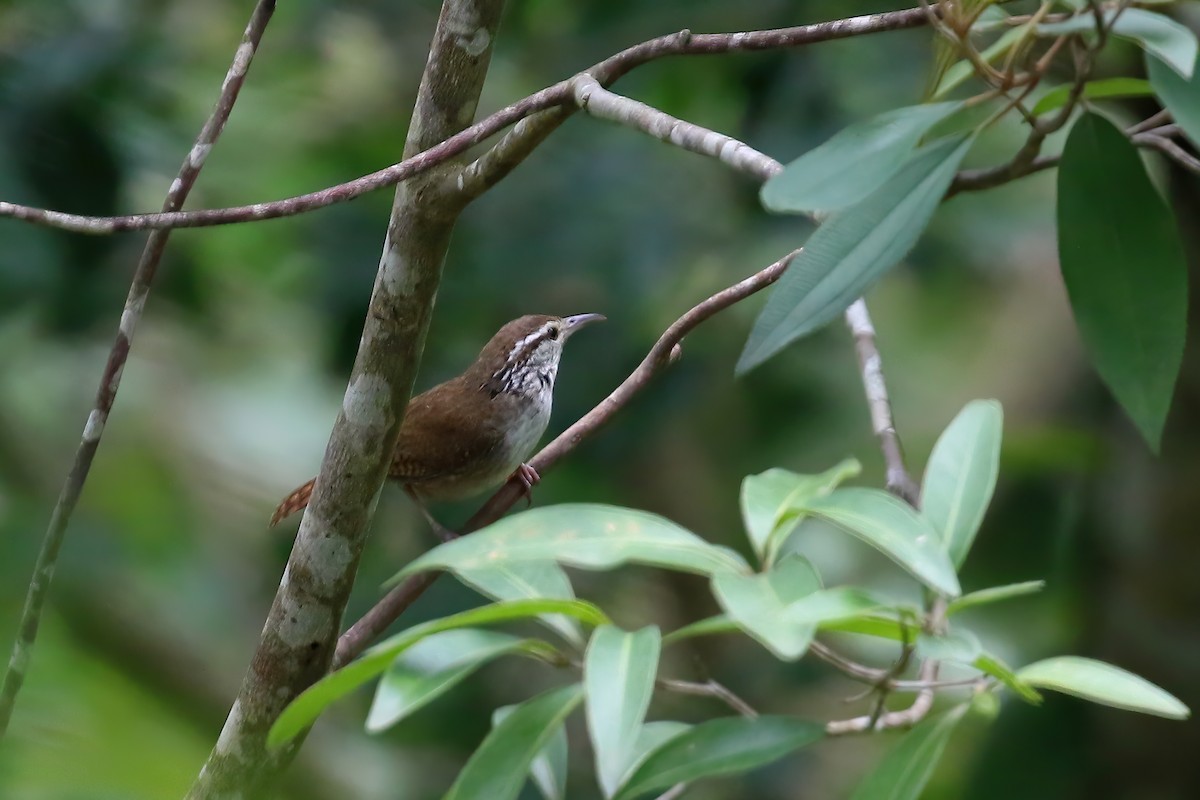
x: 527, y: 477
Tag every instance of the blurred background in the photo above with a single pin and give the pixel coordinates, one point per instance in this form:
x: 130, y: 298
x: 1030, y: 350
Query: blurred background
x: 238, y: 369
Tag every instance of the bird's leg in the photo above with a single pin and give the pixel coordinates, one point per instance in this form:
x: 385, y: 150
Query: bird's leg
x: 528, y: 477
x: 443, y: 533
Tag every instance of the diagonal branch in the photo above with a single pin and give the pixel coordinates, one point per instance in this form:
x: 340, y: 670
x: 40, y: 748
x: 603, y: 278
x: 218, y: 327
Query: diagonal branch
x: 441, y: 151
x: 110, y: 380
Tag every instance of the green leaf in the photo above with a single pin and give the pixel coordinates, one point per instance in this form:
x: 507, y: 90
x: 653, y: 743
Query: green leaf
x: 1124, y: 268
x: 528, y: 579
x: 961, y: 70
x: 1103, y: 683
x: 581, y: 535
x: 854, y: 163
x: 719, y: 747
x: 852, y: 249
x: 497, y: 770
x: 1179, y: 95
x: 1105, y: 88
x: 305, y: 709
x: 770, y: 501
x: 895, y: 529
x: 961, y: 476
x: 651, y: 737
x: 434, y: 665
x: 907, y: 767
x: 994, y: 594
x: 877, y: 625
x: 704, y: 627
x: 987, y: 663
x: 618, y: 673
x: 1155, y: 33
x: 757, y: 603
x: 960, y: 645
x: 825, y: 605
x: 549, y: 766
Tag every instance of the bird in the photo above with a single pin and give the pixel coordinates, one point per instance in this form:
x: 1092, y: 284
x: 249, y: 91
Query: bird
x: 477, y: 430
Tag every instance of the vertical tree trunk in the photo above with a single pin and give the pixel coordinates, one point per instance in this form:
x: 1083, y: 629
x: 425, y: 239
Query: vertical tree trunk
x: 301, y: 630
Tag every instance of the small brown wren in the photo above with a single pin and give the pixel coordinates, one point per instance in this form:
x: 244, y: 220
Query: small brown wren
x: 471, y: 433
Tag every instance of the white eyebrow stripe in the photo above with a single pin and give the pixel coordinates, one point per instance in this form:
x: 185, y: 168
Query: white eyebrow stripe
x: 540, y: 332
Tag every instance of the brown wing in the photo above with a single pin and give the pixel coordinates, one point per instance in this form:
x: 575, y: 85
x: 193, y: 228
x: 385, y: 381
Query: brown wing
x: 441, y: 439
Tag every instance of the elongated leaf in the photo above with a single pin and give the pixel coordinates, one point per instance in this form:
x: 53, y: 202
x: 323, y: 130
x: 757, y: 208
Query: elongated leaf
x: 549, y: 767
x: 709, y: 626
x: 959, y: 71
x: 1124, y: 268
x: 720, y: 747
x: 651, y: 737
x: 581, y: 535
x: 1105, y: 88
x: 1155, y: 33
x: 895, y: 529
x: 497, y: 770
x: 852, y: 249
x: 770, y: 500
x: 877, y: 625
x: 824, y: 605
x: 854, y: 163
x: 528, y: 579
x: 988, y: 663
x: 960, y: 645
x: 1103, y: 683
x: 994, y: 594
x: 434, y: 665
x: 1181, y: 96
x: 907, y: 767
x: 305, y: 709
x: 618, y: 674
x: 961, y: 476
x: 757, y: 604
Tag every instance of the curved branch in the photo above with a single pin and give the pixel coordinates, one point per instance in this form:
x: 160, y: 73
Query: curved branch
x: 110, y: 380
x: 559, y: 94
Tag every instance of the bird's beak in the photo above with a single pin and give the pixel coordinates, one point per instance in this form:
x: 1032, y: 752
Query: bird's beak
x: 577, y: 321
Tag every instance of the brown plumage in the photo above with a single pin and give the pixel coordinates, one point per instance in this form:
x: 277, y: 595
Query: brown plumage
x: 470, y: 433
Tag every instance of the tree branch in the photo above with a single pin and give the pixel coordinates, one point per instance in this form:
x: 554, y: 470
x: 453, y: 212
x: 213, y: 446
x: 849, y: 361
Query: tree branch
x: 709, y: 688
x: 110, y: 380
x: 301, y: 630
x: 439, y: 152
x: 899, y: 482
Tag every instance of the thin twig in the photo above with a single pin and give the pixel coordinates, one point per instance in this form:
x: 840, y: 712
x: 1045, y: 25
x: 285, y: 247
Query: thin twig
x: 110, y: 381
x: 899, y: 482
x: 1171, y: 150
x: 506, y: 155
x: 709, y: 688
x: 559, y: 94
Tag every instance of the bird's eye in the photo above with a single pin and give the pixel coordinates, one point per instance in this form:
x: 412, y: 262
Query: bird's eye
x: 553, y: 333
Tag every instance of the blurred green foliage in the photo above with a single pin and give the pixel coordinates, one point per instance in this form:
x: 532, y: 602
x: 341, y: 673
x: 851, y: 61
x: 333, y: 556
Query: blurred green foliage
x: 238, y: 369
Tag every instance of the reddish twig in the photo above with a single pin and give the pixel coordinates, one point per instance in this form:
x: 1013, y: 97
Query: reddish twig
x: 560, y: 94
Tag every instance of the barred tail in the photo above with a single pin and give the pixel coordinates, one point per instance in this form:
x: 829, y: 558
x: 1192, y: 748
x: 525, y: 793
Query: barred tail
x: 294, y: 502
